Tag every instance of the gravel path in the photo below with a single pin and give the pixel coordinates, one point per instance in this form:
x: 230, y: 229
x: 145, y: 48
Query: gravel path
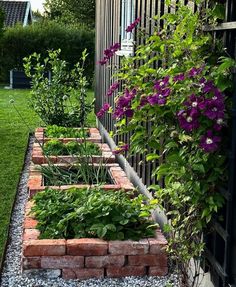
x: 12, y: 276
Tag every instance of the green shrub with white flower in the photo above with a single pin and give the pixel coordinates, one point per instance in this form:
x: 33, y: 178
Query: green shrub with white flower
x: 184, y: 102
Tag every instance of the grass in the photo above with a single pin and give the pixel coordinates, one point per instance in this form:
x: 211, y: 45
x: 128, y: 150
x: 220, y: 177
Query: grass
x: 13, y: 143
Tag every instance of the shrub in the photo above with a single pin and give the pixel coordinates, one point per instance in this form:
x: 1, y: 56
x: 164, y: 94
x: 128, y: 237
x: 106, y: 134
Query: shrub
x: 60, y: 100
x: 19, y: 42
x: 78, y: 213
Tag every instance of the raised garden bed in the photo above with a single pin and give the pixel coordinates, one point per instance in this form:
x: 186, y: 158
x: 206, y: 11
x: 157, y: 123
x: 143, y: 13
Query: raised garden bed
x: 91, y: 258
x: 105, y: 156
x: 93, y: 135
x: 119, y: 179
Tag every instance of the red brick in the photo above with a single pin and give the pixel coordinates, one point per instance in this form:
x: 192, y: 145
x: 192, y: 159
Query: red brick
x: 31, y: 234
x: 31, y: 263
x: 158, y: 271
x: 68, y: 274
x: 60, y: 262
x: 126, y: 271
x: 45, y: 247
x: 30, y: 223
x: 39, y: 129
x: 84, y: 273
x: 87, y: 247
x: 157, y: 246
x: 144, y: 260
x: 129, y: 247
x: 104, y: 261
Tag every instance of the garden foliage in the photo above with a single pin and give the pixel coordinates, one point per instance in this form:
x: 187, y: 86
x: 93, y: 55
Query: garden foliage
x: 61, y: 99
x: 18, y: 42
x: 184, y: 102
x: 55, y: 131
x: 83, y: 213
x: 55, y: 147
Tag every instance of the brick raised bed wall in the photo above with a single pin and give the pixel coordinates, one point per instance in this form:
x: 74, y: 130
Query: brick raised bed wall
x: 39, y: 158
x: 92, y: 258
x: 94, y: 136
x: 121, y: 181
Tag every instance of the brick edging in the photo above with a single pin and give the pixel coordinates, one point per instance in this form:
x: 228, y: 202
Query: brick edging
x: 90, y: 257
x: 94, y: 136
x: 121, y: 181
x: 39, y: 158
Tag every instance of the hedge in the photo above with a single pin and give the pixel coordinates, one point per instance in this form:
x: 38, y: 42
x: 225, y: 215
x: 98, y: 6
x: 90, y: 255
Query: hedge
x: 18, y: 42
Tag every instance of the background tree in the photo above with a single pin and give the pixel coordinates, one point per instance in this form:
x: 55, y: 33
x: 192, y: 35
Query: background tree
x: 72, y: 11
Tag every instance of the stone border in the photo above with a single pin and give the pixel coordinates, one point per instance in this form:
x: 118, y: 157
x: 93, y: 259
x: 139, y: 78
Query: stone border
x: 121, y: 181
x: 39, y: 158
x: 92, y: 258
x: 94, y: 136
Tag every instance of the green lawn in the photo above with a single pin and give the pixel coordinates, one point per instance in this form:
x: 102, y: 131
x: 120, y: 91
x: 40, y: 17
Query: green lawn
x: 13, y: 143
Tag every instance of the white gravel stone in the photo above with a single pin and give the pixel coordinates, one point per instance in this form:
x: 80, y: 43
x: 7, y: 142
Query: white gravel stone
x: 12, y: 275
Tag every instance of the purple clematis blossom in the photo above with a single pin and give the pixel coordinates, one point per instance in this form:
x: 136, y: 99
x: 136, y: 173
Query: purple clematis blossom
x: 195, y: 72
x: 161, y: 84
x: 188, y: 119
x: 196, y: 102
x: 179, y: 77
x: 209, y: 142
x: 113, y: 88
x: 103, y: 61
x: 109, y: 53
x: 103, y: 110
x: 132, y: 26
x: 214, y: 109
x: 123, y: 104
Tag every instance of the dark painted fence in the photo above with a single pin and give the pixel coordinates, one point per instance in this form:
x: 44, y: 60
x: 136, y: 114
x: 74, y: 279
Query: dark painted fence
x: 220, y: 257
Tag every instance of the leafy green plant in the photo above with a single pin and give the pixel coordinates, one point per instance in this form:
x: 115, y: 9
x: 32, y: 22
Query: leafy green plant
x: 56, y: 147
x: 54, y: 131
x: 78, y: 213
x: 184, y: 103
x: 61, y: 99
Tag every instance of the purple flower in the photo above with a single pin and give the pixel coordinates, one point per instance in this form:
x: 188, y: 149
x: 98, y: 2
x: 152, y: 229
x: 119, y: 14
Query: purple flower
x: 188, y: 119
x: 103, y: 110
x: 123, y: 104
x: 121, y: 149
x: 208, y: 87
x: 161, y: 84
x: 214, y: 109
x: 103, y: 61
x: 195, y: 72
x: 113, y: 88
x: 132, y: 26
x: 196, y: 102
x: 115, y: 47
x: 109, y: 53
x: 143, y: 101
x: 179, y: 77
x: 218, y: 124
x: 209, y: 142
x: 159, y: 98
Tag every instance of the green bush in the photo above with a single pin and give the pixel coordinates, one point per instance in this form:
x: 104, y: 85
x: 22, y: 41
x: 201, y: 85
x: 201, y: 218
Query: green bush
x: 61, y: 100
x: 19, y: 42
x: 78, y: 213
